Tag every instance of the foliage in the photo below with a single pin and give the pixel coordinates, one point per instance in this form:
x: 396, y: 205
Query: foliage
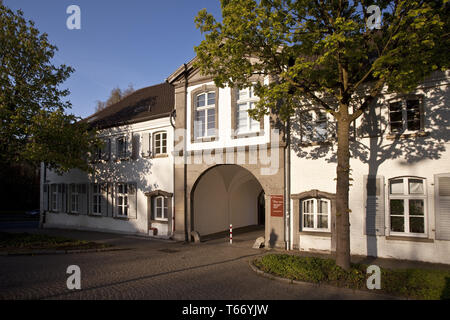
x: 410, y: 283
x: 34, y: 125
x: 18, y: 241
x: 116, y: 95
x: 323, y: 55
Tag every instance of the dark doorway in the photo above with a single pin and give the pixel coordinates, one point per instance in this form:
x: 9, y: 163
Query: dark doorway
x: 261, y: 209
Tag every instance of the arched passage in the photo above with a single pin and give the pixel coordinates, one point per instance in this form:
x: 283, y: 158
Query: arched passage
x: 224, y: 195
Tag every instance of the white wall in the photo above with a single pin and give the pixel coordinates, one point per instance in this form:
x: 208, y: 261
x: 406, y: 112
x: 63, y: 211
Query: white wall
x: 148, y: 173
x: 422, y: 156
x: 225, y: 195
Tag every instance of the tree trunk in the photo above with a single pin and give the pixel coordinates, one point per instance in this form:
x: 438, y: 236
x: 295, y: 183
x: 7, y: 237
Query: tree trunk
x: 342, y: 191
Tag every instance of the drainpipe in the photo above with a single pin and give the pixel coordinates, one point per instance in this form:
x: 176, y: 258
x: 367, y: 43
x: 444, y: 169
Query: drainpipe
x: 287, y: 181
x: 173, y: 116
x: 187, y: 232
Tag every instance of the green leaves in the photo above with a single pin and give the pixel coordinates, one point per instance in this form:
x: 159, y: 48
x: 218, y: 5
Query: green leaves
x: 34, y: 125
x: 322, y: 47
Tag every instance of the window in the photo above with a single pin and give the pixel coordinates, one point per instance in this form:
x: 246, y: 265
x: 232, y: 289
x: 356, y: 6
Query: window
x: 103, y: 152
x: 246, y: 100
x: 96, y: 199
x: 405, y: 115
x: 160, y: 143
x: 316, y: 214
x: 205, y: 115
x: 54, y: 197
x: 407, y: 202
x: 122, y: 200
x: 160, y: 208
x: 121, y: 144
x: 75, y: 191
x: 314, y: 126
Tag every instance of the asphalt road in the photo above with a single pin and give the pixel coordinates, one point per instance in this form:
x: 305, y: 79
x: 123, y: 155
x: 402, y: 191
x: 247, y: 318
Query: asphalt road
x: 155, y: 270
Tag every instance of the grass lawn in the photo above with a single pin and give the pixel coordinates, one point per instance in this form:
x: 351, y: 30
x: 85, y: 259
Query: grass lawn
x: 16, y: 242
x: 409, y: 283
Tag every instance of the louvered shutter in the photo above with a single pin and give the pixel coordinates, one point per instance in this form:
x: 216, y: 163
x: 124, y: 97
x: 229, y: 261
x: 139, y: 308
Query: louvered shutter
x: 132, y: 201
x: 135, y: 146
x: 104, y: 199
x: 60, y: 206
x: 145, y: 152
x: 370, y: 123
x: 110, y: 200
x: 46, y: 195
x: 129, y: 145
x: 442, y: 204
x: 83, y: 198
x: 106, y: 150
x: 374, y: 205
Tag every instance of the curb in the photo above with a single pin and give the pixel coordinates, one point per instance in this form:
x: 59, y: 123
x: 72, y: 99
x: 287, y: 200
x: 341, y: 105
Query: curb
x: 311, y: 284
x: 52, y: 252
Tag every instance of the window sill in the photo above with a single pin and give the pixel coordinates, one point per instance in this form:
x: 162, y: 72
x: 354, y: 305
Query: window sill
x: 409, y: 238
x: 395, y: 136
x: 122, y: 218
x: 205, y: 139
x: 159, y: 221
x: 161, y: 155
x: 95, y: 215
x: 247, y: 135
x: 317, y: 143
x: 73, y: 213
x: 326, y: 234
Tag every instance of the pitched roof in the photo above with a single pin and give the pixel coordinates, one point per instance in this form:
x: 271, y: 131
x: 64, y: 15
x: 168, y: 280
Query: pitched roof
x: 144, y: 104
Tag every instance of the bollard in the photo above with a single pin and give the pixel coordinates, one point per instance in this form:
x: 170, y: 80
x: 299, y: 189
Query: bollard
x: 231, y: 234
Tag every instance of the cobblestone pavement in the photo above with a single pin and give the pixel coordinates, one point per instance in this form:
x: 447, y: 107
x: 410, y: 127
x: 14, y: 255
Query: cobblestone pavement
x: 157, y: 270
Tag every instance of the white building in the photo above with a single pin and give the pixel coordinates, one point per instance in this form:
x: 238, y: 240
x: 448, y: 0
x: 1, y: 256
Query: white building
x: 131, y: 190
x: 226, y: 168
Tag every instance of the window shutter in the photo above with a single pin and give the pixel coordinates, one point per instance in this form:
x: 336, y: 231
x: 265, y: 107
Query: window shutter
x: 46, y: 195
x: 83, y: 199
x: 110, y: 202
x: 135, y: 146
x: 60, y: 198
x: 104, y: 199
x: 113, y: 148
x: 129, y: 145
x: 370, y: 123
x: 442, y: 203
x: 374, y: 205
x: 106, y: 151
x: 145, y: 152
x: 132, y: 201
x: 69, y: 198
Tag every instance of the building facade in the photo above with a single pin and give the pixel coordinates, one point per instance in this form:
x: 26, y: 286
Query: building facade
x: 194, y: 161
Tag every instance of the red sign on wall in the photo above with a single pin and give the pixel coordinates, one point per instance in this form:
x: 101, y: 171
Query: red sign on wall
x: 277, y: 206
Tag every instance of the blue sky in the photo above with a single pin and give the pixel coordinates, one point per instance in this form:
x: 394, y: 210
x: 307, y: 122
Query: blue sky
x: 120, y: 42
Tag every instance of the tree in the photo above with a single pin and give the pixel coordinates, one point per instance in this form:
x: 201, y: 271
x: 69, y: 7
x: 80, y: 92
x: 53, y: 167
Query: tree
x: 34, y: 125
x: 322, y: 52
x: 116, y: 95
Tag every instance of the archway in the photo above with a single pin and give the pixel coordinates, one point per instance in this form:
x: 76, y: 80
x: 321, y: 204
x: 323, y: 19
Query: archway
x: 224, y: 195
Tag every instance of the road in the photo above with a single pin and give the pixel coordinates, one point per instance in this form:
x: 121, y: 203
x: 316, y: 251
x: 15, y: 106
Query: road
x: 155, y: 270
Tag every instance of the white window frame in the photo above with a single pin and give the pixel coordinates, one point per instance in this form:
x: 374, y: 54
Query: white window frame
x: 206, y: 109
x: 404, y: 111
x: 121, y: 154
x: 164, y: 208
x: 124, y: 196
x: 406, y: 196
x: 313, y: 122
x: 315, y: 214
x: 250, y: 100
x: 97, y: 199
x: 75, y: 191
x: 160, y: 150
